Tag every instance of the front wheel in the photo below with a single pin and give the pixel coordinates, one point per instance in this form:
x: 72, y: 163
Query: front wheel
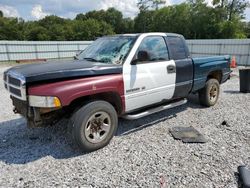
x: 209, y: 95
x: 94, y: 125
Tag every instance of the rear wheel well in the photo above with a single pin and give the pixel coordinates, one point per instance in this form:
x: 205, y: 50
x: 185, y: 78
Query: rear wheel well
x: 216, y: 75
x: 111, y: 97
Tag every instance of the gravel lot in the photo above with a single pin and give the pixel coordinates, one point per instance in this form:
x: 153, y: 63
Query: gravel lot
x: 142, y: 152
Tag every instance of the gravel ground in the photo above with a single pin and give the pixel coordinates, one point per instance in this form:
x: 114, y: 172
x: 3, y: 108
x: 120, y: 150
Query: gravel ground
x: 141, y: 154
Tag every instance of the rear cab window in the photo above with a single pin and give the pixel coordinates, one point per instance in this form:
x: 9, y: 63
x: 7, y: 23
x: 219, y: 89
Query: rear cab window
x: 177, y: 48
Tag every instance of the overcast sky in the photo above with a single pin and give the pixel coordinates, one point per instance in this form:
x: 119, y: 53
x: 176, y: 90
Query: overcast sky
x: 37, y: 9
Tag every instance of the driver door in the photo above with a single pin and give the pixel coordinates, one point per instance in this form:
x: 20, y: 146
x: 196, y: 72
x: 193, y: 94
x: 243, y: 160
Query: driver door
x: 150, y: 77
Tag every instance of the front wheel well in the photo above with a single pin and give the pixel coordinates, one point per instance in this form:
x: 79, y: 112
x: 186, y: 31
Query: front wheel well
x: 111, y: 97
x: 216, y: 75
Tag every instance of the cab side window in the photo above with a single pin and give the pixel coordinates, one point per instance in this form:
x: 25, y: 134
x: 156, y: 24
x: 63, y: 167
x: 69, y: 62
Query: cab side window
x: 176, y: 47
x: 152, y: 48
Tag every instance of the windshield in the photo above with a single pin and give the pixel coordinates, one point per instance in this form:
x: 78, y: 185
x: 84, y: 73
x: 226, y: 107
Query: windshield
x: 110, y: 50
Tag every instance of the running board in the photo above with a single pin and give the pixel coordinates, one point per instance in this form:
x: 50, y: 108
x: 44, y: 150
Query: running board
x: 154, y: 110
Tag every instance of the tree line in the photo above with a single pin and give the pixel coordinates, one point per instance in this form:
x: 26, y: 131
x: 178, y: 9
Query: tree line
x: 194, y: 19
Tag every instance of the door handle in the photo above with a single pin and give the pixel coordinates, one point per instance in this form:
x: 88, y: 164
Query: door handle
x: 171, y: 69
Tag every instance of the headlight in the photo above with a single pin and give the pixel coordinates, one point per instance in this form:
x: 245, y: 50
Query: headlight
x: 44, y: 101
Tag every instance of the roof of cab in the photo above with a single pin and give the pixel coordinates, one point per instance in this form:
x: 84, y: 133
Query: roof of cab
x: 138, y: 34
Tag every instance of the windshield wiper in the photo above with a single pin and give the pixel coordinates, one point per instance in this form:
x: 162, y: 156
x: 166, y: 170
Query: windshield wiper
x: 91, y: 59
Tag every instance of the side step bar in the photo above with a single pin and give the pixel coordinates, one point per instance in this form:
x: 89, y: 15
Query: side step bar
x: 154, y: 110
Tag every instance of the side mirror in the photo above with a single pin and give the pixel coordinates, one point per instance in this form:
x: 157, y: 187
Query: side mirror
x: 76, y: 56
x: 141, y: 56
x: 134, y: 61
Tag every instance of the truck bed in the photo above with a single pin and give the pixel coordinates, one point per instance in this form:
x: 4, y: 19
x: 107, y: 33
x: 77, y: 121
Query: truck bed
x: 207, y: 65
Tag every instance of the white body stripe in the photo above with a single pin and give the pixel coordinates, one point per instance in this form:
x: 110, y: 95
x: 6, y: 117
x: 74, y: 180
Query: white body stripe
x: 147, y: 83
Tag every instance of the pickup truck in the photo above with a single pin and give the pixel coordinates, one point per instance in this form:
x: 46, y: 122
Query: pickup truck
x: 129, y: 76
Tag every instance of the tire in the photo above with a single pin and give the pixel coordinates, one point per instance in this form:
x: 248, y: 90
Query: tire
x: 209, y: 95
x: 93, y: 126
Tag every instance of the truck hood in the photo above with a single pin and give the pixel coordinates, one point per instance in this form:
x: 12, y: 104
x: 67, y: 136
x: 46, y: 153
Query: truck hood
x: 63, y: 70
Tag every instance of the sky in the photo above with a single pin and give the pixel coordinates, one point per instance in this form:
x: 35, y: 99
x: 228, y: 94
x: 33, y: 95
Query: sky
x: 37, y: 9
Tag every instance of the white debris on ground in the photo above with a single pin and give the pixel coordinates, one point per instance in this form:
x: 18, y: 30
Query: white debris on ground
x: 142, y: 154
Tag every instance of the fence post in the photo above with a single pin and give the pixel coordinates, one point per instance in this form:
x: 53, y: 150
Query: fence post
x: 58, y: 52
x: 191, y: 47
x: 36, y: 51
x: 7, y: 51
x: 78, y: 47
x: 248, y: 56
x: 220, y: 48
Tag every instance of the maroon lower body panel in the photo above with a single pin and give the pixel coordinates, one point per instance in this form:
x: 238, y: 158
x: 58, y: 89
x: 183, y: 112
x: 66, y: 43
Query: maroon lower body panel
x: 69, y: 90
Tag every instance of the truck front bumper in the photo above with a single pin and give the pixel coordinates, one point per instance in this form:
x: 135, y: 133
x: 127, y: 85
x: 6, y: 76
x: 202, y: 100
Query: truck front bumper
x: 36, y: 116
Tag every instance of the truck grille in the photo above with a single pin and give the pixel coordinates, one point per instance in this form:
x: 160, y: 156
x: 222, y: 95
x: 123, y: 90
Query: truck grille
x: 15, y: 91
x: 14, y: 81
x: 15, y: 84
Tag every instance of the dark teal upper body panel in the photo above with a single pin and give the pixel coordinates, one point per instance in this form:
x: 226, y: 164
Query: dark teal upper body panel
x: 203, y: 66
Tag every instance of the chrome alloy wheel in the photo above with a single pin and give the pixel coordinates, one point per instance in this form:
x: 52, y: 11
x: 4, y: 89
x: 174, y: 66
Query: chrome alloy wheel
x: 213, y: 93
x: 98, y: 127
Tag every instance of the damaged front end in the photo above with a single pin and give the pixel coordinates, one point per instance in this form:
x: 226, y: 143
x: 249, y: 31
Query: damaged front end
x: 40, y: 111
x: 37, y: 116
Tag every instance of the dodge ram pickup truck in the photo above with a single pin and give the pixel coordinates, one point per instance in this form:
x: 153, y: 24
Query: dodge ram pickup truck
x: 129, y: 76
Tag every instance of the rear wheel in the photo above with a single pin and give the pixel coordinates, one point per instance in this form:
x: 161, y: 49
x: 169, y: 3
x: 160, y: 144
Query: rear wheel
x: 94, y: 125
x: 210, y: 93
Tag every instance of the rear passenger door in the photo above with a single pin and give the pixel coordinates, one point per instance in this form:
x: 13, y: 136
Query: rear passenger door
x: 178, y: 52
x: 152, y: 78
